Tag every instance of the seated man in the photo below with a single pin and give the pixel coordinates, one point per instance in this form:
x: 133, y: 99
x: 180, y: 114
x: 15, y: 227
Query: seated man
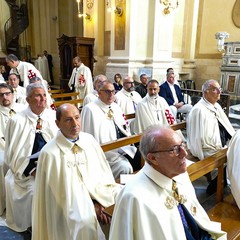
x: 153, y: 109
x: 18, y: 91
x: 104, y: 119
x: 233, y: 157
x: 142, y: 87
x: 94, y: 94
x: 8, y: 108
x: 160, y: 201
x: 208, y: 127
x: 72, y: 177
x: 127, y: 98
x: 174, y: 97
x: 26, y: 133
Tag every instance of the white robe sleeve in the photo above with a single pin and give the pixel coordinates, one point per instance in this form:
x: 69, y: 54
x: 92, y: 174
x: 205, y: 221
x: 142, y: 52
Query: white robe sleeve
x: 233, y: 166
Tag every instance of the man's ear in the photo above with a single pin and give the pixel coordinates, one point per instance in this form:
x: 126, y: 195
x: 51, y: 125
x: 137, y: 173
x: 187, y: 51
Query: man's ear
x: 152, y: 159
x: 57, y: 123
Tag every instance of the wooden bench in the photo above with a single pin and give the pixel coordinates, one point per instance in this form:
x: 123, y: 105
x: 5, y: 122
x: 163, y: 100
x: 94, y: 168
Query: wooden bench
x: 225, y: 210
x: 75, y: 102
x: 64, y: 96
x: 56, y: 91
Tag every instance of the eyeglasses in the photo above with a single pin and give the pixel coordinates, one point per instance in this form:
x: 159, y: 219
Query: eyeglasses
x: 6, y: 94
x: 176, y: 149
x: 216, y: 89
x: 132, y: 83
x: 109, y: 92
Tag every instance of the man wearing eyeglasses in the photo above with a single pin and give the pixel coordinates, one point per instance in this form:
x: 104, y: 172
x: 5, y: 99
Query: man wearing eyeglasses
x: 208, y: 127
x: 160, y: 201
x: 127, y: 98
x: 8, y: 108
x: 105, y: 120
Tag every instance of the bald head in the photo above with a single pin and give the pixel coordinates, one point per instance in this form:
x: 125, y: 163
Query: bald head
x: 164, y: 150
x: 68, y: 120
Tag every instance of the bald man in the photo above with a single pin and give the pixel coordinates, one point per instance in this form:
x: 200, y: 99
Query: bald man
x: 73, y: 177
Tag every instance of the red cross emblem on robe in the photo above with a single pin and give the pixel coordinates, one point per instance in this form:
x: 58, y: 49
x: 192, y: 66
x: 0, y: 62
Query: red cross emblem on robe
x: 31, y: 74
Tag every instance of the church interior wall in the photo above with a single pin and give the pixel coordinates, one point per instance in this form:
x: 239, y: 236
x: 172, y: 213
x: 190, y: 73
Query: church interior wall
x: 193, y: 44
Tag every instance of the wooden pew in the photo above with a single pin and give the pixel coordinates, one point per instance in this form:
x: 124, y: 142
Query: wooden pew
x: 133, y: 139
x: 64, y: 96
x: 76, y: 102
x: 56, y: 91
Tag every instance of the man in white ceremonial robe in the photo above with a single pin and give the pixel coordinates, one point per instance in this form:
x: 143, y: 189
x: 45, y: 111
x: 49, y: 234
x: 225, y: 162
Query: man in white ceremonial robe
x: 153, y: 109
x: 19, y: 92
x: 94, y: 94
x: 127, y: 98
x: 105, y: 120
x: 203, y: 131
x: 8, y: 108
x: 73, y: 176
x: 81, y: 79
x: 152, y: 204
x: 233, y: 166
x: 25, y: 135
x: 25, y: 70
x: 41, y: 63
x: 50, y: 103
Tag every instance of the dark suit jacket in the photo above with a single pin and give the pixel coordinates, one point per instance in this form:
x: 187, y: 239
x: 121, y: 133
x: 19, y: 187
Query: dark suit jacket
x: 166, y: 93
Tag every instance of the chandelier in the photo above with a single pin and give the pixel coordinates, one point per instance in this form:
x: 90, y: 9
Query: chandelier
x: 169, y: 5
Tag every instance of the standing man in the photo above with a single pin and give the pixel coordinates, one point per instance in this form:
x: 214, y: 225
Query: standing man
x: 208, y: 127
x: 8, y: 108
x: 127, y: 98
x: 160, y: 201
x: 73, y: 174
x: 104, y: 119
x: 153, y: 109
x: 142, y: 87
x: 26, y: 133
x: 174, y: 97
x: 81, y: 79
x: 50, y: 65
x: 24, y: 69
x: 18, y: 91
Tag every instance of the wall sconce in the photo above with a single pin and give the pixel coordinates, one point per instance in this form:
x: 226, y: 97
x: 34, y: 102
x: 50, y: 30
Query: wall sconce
x: 85, y: 15
x: 221, y: 36
x: 118, y: 11
x: 169, y: 5
x: 109, y: 8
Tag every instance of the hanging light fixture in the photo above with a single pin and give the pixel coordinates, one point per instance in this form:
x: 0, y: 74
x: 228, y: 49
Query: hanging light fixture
x: 85, y: 15
x: 169, y: 5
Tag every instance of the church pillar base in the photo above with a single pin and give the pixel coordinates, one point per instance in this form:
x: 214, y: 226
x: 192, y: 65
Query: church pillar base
x: 188, y: 69
x: 124, y: 66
